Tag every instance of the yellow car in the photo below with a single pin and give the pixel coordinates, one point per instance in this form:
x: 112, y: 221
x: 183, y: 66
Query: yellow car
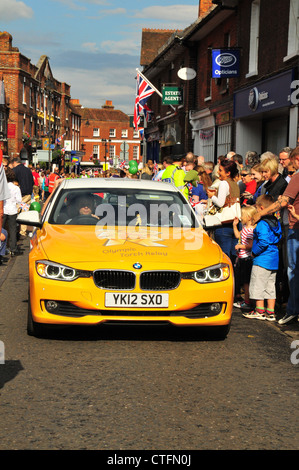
x: 124, y: 251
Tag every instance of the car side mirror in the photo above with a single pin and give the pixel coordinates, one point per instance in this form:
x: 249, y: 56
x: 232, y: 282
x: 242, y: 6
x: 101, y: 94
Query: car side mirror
x: 30, y: 218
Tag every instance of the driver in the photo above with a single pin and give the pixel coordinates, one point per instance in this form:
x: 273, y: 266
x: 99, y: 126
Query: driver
x: 84, y: 208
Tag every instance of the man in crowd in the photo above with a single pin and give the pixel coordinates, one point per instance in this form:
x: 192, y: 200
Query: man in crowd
x: 4, y: 194
x: 284, y: 160
x: 25, y: 179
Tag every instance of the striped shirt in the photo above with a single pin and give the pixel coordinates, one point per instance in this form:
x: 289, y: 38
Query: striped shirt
x: 246, y: 235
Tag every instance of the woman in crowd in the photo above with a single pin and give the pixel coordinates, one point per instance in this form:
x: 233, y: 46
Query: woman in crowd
x: 275, y: 183
x: 228, y: 190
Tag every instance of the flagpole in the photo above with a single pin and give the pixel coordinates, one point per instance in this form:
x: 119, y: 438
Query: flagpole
x: 149, y: 83
x: 154, y: 88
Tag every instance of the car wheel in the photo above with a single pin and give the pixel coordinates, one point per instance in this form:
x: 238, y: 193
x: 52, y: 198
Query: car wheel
x: 33, y: 328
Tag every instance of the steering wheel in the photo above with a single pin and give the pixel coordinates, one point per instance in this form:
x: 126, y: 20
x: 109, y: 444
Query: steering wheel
x: 83, y: 220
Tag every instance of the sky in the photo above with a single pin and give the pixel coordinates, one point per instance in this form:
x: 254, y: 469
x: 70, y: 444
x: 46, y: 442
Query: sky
x: 92, y: 45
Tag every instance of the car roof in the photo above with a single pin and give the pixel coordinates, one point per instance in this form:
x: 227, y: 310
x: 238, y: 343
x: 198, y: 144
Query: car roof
x: 126, y: 183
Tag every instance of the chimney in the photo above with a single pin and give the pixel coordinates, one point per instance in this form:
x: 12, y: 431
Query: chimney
x: 204, y: 7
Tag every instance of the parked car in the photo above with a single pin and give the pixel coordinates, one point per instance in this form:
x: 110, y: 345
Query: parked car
x: 124, y: 251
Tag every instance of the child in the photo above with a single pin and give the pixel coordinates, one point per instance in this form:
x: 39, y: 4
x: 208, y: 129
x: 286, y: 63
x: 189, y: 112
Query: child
x: 265, y: 254
x: 244, y: 259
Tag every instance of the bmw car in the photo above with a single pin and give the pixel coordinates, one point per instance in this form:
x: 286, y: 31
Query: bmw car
x: 113, y: 251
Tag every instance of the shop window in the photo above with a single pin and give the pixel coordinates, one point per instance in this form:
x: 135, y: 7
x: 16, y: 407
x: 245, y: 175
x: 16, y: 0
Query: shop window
x: 254, y: 38
x: 293, y: 39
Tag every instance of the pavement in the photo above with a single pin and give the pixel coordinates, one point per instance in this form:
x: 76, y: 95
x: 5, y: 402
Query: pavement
x: 290, y: 329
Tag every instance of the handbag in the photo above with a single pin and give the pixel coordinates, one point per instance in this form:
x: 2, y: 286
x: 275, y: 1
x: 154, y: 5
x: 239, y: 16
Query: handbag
x: 223, y: 215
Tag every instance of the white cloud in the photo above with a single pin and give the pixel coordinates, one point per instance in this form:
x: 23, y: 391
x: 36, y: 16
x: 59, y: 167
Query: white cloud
x: 172, y: 13
x: 12, y: 10
x: 115, y: 11
x: 100, y: 85
x: 90, y: 46
x: 125, y: 46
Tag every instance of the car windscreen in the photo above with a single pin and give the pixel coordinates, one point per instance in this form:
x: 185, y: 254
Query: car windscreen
x: 122, y: 207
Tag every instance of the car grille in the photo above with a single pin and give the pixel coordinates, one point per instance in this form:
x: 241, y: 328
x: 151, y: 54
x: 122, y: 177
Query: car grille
x: 113, y: 279
x: 159, y: 280
x: 200, y: 311
x: 125, y: 280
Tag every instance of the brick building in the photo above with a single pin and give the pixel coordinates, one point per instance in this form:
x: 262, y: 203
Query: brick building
x: 107, y: 135
x: 37, y: 107
x: 251, y: 111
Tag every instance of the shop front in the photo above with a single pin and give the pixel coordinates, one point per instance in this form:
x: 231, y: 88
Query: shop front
x: 265, y: 118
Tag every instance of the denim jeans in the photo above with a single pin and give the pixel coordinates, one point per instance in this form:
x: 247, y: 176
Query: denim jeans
x: 3, y: 244
x: 293, y: 271
x: 226, y: 239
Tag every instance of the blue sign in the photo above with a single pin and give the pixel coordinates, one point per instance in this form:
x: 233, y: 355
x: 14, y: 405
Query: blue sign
x: 225, y: 63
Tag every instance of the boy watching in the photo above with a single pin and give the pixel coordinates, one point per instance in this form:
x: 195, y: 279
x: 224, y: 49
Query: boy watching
x: 265, y: 255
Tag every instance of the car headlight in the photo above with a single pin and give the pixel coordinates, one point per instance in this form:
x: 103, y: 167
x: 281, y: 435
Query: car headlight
x: 217, y: 273
x: 58, y: 272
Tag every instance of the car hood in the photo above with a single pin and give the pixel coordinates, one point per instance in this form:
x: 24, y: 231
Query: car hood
x: 117, y: 247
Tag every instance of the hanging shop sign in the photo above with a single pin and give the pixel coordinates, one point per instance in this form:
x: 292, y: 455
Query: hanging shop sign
x: 225, y: 63
x: 172, y: 95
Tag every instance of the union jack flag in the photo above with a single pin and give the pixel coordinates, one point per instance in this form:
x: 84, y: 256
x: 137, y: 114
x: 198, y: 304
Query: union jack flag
x: 122, y: 164
x: 143, y: 92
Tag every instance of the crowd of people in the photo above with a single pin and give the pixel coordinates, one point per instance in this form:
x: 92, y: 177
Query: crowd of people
x: 262, y: 242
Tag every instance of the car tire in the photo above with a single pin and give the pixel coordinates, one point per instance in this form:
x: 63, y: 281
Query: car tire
x: 33, y: 328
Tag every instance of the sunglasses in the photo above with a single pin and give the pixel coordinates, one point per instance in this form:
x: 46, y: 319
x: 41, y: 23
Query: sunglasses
x: 291, y: 172
x: 244, y: 174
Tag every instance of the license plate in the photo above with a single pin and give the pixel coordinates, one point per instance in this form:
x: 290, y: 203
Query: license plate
x: 117, y: 299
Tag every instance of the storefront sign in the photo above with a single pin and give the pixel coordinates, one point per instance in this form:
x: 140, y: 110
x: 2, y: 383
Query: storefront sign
x: 11, y: 131
x: 264, y: 96
x: 172, y: 96
x: 225, y: 63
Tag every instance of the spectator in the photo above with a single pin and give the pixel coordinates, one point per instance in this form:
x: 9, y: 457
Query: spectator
x: 199, y: 193
x: 252, y: 158
x: 244, y: 260
x: 11, y: 210
x: 228, y: 192
x: 4, y: 194
x: 25, y: 180
x: 266, y: 237
x: 250, y: 184
x: 291, y: 197
x: 284, y: 160
x: 275, y: 183
x: 52, y: 178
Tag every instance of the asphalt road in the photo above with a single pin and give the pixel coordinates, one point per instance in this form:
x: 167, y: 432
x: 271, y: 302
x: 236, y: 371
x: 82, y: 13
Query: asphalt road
x: 150, y: 389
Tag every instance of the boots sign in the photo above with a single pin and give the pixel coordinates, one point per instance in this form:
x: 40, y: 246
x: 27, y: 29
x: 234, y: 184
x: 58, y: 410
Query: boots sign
x: 225, y: 63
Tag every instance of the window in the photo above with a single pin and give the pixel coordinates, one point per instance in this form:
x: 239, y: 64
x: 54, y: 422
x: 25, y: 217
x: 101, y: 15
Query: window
x: 112, y: 133
x: 124, y: 133
x: 111, y: 151
x: 96, y: 132
x: 136, y: 152
x: 95, y: 151
x: 293, y: 38
x: 24, y: 94
x: 136, y: 134
x: 254, y: 38
x: 209, y: 74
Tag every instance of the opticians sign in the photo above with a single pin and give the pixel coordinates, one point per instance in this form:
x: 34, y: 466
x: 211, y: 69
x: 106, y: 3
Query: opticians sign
x: 225, y: 63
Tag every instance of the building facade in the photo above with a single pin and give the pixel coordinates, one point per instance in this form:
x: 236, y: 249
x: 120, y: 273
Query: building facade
x: 107, y: 136
x: 255, y: 109
x: 36, y: 111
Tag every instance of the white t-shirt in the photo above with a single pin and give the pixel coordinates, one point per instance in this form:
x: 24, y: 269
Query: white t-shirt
x: 223, y: 192
x: 4, y: 191
x: 11, y: 204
